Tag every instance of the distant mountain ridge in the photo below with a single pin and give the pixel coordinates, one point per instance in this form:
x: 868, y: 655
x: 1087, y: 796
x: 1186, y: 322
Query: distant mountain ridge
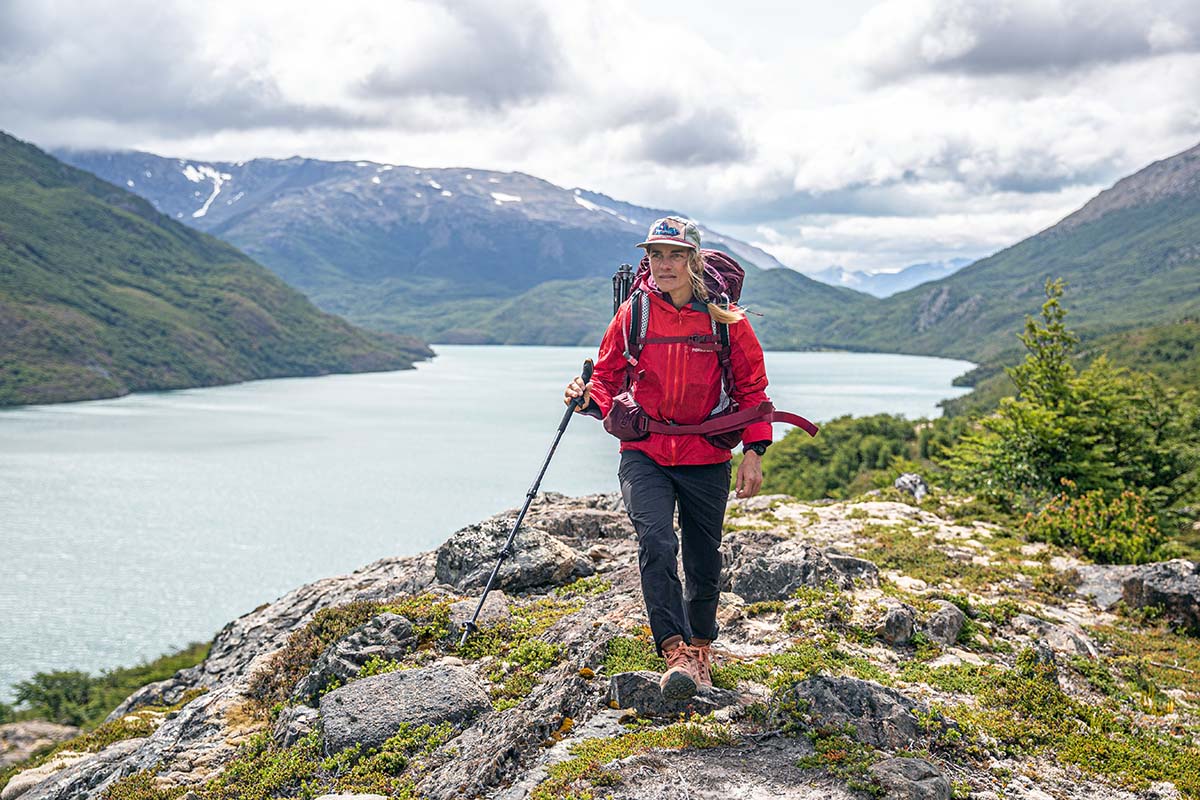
x: 1130, y: 256
x: 456, y: 255
x: 101, y: 295
x: 885, y: 284
x: 473, y: 256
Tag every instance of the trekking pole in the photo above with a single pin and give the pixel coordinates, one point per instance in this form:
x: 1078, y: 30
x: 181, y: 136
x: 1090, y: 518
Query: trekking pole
x: 508, y: 551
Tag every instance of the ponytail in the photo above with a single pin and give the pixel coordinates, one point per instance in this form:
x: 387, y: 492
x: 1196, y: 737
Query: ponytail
x: 726, y: 314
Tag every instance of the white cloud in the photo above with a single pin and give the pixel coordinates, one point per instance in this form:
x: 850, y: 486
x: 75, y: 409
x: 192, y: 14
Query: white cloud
x: 900, y: 38
x: 859, y: 134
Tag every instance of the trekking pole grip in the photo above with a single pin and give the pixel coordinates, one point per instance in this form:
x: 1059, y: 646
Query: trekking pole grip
x: 586, y: 375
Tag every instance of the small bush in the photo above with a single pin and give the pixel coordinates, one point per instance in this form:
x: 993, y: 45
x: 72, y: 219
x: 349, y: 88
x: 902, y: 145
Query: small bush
x: 1111, y: 529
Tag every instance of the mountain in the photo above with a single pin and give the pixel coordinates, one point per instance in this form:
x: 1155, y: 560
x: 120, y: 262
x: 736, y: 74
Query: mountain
x: 1130, y: 256
x: 101, y: 295
x: 885, y: 284
x: 455, y: 255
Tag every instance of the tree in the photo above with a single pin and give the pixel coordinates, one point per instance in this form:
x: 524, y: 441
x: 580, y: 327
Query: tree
x: 60, y: 696
x: 1105, y: 428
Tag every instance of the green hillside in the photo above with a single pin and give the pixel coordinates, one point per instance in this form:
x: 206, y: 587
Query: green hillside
x: 1170, y: 351
x: 101, y: 295
x: 1130, y: 257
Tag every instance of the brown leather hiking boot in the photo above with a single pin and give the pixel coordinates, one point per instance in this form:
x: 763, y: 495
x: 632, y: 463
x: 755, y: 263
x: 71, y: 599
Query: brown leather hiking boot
x: 682, y: 678
x: 703, y: 648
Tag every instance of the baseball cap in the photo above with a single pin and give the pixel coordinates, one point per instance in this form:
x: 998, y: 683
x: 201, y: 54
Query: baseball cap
x: 673, y: 230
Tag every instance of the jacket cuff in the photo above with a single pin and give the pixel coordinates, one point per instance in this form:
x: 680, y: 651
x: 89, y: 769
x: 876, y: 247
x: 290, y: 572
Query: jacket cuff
x: 592, y: 409
x: 758, y: 432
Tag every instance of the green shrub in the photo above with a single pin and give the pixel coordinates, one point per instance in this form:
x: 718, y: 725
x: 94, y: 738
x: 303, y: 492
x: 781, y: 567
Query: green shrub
x: 78, y: 698
x: 1103, y: 428
x: 1109, y: 528
x: 849, y: 456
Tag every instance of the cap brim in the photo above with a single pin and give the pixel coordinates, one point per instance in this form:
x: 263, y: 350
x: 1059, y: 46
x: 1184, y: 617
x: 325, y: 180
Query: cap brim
x: 664, y: 240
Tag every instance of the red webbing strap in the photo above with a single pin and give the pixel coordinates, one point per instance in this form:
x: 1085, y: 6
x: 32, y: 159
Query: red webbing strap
x: 795, y: 419
x: 763, y: 412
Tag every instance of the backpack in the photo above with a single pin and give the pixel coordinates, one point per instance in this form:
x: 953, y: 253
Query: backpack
x: 723, y: 277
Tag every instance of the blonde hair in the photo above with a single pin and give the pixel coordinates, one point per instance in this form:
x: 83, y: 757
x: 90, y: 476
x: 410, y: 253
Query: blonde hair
x: 726, y: 314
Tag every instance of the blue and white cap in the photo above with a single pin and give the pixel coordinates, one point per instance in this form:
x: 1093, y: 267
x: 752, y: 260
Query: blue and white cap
x: 673, y: 230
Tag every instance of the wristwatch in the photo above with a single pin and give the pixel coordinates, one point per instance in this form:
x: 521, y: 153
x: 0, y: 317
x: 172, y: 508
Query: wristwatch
x: 758, y: 447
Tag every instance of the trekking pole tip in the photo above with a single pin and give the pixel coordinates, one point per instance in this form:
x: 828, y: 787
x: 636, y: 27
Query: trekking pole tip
x: 468, y: 626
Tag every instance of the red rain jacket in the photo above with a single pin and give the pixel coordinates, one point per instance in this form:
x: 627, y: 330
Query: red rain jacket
x: 676, y: 383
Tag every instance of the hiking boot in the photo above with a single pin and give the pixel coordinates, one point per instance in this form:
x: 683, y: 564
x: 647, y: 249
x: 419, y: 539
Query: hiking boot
x: 682, y: 678
x: 703, y: 648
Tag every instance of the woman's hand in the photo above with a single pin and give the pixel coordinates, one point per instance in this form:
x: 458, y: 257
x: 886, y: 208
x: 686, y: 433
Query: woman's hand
x: 749, y: 477
x: 577, y: 388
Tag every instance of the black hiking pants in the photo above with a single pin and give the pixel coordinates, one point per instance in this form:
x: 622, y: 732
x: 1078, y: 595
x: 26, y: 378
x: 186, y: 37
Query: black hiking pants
x: 650, y: 491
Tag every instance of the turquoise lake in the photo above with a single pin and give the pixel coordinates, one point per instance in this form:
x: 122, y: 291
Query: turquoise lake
x: 131, y: 527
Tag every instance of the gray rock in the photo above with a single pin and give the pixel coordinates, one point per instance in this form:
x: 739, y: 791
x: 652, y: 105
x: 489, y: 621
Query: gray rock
x: 386, y: 636
x: 371, y: 710
x: 84, y: 778
x: 1102, y: 582
x: 640, y: 690
x: 20, y: 740
x: 912, y: 483
x: 945, y: 624
x: 910, y: 779
x: 294, y: 723
x: 466, y: 559
x: 352, y: 797
x: 496, y: 609
x: 859, y: 570
x: 1069, y: 639
x: 897, y: 623
x: 166, y: 692
x: 784, y: 568
x: 586, y: 524
x: 880, y: 716
x: 1162, y: 790
x: 1173, y: 586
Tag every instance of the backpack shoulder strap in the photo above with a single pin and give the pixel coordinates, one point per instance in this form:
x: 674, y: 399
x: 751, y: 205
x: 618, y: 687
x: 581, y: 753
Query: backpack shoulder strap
x: 721, y: 331
x: 635, y: 332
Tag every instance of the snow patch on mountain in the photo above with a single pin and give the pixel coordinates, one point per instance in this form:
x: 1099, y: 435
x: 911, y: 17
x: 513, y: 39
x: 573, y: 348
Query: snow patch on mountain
x: 202, y: 173
x: 501, y: 198
x: 590, y: 206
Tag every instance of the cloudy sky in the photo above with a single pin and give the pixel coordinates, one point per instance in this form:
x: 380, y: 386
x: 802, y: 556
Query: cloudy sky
x: 871, y: 135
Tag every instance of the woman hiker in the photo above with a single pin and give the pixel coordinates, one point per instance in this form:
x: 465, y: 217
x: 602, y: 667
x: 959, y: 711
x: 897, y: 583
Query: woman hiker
x: 681, y: 383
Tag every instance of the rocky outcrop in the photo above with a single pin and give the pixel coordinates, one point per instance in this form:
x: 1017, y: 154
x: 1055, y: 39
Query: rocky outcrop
x: 910, y: 779
x: 371, y: 710
x: 20, y: 740
x: 79, y: 777
x: 912, y: 483
x: 880, y: 716
x: 944, y: 625
x: 1169, y: 587
x: 896, y: 622
x: 467, y: 558
x: 515, y: 711
x: 1068, y: 639
x: 387, y: 637
x: 777, y: 573
x: 1173, y: 586
x: 580, y: 519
